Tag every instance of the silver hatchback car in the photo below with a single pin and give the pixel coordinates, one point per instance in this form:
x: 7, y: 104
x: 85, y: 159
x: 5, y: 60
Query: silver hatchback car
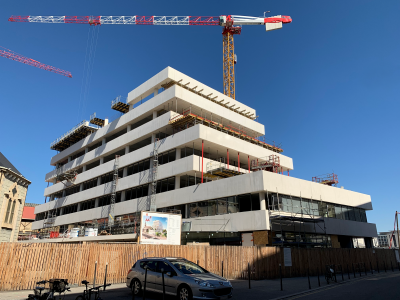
x: 182, y: 278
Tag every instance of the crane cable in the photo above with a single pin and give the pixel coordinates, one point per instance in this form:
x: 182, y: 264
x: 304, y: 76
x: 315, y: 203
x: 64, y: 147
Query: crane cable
x: 91, y: 46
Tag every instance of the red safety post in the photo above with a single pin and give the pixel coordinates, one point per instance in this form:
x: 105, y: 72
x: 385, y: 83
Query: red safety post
x: 227, y: 150
x: 248, y: 162
x: 238, y: 162
x: 202, y: 156
x: 288, y: 172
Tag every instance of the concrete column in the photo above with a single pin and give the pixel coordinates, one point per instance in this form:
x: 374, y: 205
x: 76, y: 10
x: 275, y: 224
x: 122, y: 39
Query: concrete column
x: 98, y: 180
x: 126, y: 149
x: 177, y: 182
x: 129, y: 127
x: 130, y: 107
x: 125, y: 173
x: 178, y: 153
x: 79, y: 207
x: 69, y: 158
x: 61, y: 211
x: 81, y: 187
x: 153, y: 138
x: 96, y: 203
x: 55, y: 181
x: 101, y: 160
x: 154, y: 115
x: 105, y: 122
x: 63, y: 193
x: 103, y: 141
x: 86, y: 150
x: 122, y: 196
x: 83, y: 168
x: 263, y: 205
x: 155, y: 92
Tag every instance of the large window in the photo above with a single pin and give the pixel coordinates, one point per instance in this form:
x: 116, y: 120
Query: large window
x: 90, y: 184
x: 227, y: 205
x: 165, y: 185
x: 70, y: 209
x: 137, y: 192
x: 314, y: 208
x: 88, y: 204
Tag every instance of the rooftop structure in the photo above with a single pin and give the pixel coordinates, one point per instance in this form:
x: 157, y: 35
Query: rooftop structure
x: 192, y: 150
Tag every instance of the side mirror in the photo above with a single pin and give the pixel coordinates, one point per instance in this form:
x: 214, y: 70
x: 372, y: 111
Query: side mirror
x: 169, y: 274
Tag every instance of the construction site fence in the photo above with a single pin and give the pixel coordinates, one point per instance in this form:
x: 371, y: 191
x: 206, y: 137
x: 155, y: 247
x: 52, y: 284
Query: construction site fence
x: 23, y: 264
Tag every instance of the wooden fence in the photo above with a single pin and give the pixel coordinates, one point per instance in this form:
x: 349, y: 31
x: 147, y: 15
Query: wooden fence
x: 23, y: 264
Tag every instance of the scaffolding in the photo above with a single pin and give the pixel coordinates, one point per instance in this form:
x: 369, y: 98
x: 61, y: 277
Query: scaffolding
x: 111, y: 215
x: 154, y: 169
x: 301, y: 227
x: 120, y: 106
x: 269, y: 163
x: 189, y: 118
x: 69, y: 175
x: 96, y: 121
x: 79, y: 132
x: 219, y: 169
x: 327, y: 179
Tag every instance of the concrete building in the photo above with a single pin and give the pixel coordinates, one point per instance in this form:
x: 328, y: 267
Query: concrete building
x: 13, y: 190
x: 214, y: 167
x: 384, y: 238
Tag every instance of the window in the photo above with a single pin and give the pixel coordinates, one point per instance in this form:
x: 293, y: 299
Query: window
x: 322, y: 209
x: 10, y: 220
x: 106, y: 178
x: 331, y: 210
x: 296, y: 205
x: 222, y: 206
x: 338, y: 212
x: 166, y: 157
x: 72, y: 190
x: 8, y: 211
x: 166, y: 185
x: 163, y: 266
x: 70, y: 209
x: 118, y: 134
x: 77, y: 155
x: 233, y: 205
x: 90, y: 184
x: 95, y: 146
x: 88, y: 204
x: 105, y: 200
x: 57, y: 195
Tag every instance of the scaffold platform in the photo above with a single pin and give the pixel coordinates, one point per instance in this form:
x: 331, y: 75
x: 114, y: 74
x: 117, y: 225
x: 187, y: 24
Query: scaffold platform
x: 77, y: 133
x: 120, y: 106
x: 188, y: 119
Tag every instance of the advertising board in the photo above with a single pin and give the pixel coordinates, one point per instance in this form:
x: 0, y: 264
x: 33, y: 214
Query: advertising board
x: 158, y: 228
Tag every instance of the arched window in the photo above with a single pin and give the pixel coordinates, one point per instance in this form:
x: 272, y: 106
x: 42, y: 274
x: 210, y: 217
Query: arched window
x: 8, y: 211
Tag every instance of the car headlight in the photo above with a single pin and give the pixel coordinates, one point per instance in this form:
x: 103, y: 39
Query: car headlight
x: 203, y: 283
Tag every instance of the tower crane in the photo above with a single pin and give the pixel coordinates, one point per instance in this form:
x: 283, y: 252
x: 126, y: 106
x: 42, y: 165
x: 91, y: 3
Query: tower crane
x: 29, y: 61
x: 231, y: 25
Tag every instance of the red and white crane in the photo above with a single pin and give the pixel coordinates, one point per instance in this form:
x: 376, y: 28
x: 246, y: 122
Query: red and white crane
x: 29, y: 61
x: 231, y: 25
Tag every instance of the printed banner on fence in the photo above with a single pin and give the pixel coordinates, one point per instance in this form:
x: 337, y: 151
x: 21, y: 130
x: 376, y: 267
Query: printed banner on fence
x: 160, y: 228
x: 287, y: 257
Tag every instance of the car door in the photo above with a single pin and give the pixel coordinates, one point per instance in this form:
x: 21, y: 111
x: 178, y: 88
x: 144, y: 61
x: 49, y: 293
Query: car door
x: 170, y: 282
x: 151, y: 275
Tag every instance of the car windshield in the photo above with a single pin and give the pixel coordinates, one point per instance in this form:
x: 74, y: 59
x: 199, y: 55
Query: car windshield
x: 187, y: 267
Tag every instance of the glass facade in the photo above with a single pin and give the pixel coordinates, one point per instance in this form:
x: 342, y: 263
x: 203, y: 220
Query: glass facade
x: 317, y: 208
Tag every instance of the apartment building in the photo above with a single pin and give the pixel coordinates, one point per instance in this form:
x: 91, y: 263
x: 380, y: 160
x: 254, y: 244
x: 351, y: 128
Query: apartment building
x: 181, y: 146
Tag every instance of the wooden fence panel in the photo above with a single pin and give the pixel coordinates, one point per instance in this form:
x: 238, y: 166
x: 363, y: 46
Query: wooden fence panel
x: 22, y: 264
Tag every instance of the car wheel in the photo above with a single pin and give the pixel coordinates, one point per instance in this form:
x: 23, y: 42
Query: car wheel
x: 184, y: 293
x: 136, y: 287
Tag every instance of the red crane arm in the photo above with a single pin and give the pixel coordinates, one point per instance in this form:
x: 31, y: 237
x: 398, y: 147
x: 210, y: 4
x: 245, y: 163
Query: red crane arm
x: 29, y: 61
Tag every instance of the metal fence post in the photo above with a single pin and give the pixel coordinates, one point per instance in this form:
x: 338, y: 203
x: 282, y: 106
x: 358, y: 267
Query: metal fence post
x: 222, y: 268
x: 280, y: 274
x: 341, y: 270
x: 94, y: 278
x: 365, y: 269
x: 319, y: 283
x: 384, y: 265
x: 354, y: 270
x: 391, y: 265
x: 145, y: 281
x: 248, y: 271
x: 105, y: 277
x: 372, y: 271
x: 308, y: 275
x: 359, y: 268
x: 348, y: 270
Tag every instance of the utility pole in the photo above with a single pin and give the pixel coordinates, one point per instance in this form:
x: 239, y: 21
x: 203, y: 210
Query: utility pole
x: 398, y: 239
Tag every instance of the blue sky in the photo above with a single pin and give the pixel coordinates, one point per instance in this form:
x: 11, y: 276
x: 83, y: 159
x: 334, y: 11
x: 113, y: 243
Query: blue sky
x: 325, y: 86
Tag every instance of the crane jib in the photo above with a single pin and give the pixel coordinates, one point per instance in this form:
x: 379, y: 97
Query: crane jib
x: 152, y: 20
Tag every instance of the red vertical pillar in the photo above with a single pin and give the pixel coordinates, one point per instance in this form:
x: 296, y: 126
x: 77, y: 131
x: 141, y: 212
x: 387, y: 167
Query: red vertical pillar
x: 288, y: 172
x: 227, y: 151
x: 238, y: 162
x: 202, y: 156
x: 248, y: 161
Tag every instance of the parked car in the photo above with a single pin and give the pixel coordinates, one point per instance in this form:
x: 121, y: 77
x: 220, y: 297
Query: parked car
x: 182, y: 278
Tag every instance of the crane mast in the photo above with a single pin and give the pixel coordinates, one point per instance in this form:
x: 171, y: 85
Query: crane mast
x: 231, y: 25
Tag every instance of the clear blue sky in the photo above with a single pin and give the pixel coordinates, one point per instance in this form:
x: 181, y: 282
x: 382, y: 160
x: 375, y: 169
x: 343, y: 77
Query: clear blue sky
x: 325, y: 86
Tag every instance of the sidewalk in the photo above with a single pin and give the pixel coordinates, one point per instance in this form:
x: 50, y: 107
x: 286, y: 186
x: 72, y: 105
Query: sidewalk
x: 260, y: 289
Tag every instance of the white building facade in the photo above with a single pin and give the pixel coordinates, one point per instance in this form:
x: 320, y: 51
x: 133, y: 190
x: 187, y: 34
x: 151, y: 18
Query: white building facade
x: 213, y: 168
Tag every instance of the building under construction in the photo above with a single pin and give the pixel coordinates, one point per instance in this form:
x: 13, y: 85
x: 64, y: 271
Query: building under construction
x: 181, y: 146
